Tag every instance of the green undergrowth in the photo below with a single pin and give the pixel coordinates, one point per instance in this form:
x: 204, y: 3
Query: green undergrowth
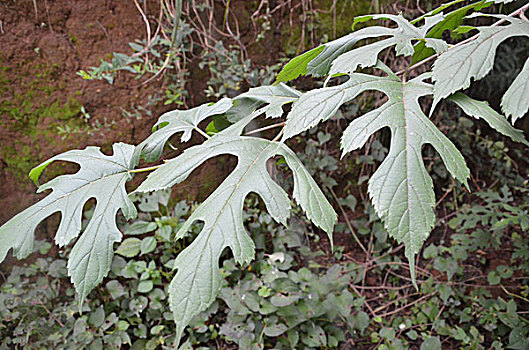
x: 297, y: 294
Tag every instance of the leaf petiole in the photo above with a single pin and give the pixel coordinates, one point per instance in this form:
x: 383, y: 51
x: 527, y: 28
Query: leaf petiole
x: 202, y: 132
x: 142, y: 170
x: 265, y: 128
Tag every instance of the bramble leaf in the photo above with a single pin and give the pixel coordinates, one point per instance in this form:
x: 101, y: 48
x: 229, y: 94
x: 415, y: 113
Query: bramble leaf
x: 198, y: 279
x: 455, y: 68
x: 101, y: 177
x: 401, y: 189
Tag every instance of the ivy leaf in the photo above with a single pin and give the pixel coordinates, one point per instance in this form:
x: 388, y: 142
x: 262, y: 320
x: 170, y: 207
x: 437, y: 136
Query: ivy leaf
x: 480, y: 109
x: 454, y: 69
x: 101, y: 177
x: 176, y: 121
x: 198, y: 279
x: 450, y: 22
x: 401, y: 189
x: 515, y: 102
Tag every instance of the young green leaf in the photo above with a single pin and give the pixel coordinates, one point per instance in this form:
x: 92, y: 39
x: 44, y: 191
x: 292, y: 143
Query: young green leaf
x: 455, y: 68
x: 101, y: 177
x: 198, y: 279
x: 298, y: 65
x: 450, y: 22
x: 401, y: 189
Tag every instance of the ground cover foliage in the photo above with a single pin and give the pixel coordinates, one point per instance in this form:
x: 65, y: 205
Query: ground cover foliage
x: 295, y: 296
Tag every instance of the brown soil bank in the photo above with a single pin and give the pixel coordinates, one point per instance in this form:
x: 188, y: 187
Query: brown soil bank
x: 40, y: 93
x: 44, y: 105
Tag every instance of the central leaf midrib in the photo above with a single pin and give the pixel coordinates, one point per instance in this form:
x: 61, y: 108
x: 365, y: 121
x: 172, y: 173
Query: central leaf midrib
x: 404, y: 108
x: 211, y: 229
x: 97, y: 231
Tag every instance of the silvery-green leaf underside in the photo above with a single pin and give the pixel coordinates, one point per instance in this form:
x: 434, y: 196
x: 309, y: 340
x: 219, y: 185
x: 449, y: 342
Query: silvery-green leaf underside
x: 338, y: 56
x: 401, y: 189
x: 100, y: 177
x: 198, y: 278
x: 455, y: 69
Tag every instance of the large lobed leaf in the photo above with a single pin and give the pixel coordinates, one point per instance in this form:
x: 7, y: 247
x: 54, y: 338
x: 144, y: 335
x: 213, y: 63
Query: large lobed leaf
x: 515, y: 101
x: 455, y: 68
x: 401, y: 189
x: 198, y: 278
x: 274, y: 96
x: 197, y: 281
x: 100, y: 177
x: 337, y: 56
x: 482, y: 110
x: 178, y: 121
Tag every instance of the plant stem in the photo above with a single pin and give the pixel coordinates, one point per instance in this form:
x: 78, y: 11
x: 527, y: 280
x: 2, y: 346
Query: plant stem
x: 142, y: 170
x: 265, y: 128
x: 348, y: 222
x: 201, y: 132
x: 520, y: 11
x: 278, y: 136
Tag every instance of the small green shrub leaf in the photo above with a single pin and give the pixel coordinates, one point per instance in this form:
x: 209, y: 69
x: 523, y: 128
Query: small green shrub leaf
x: 275, y: 330
x: 140, y: 227
x: 145, y: 286
x: 129, y: 248
x: 431, y: 343
x: 148, y: 244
